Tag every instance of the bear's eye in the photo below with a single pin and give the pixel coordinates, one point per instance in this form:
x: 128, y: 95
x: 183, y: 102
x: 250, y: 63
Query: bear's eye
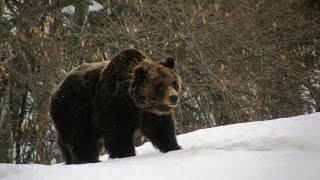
x: 175, y: 85
x: 159, y: 87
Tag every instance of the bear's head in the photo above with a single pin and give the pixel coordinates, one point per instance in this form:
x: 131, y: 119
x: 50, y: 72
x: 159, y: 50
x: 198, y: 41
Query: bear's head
x: 155, y: 87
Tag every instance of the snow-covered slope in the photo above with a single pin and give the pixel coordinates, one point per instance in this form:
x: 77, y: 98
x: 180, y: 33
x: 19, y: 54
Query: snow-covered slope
x: 278, y: 149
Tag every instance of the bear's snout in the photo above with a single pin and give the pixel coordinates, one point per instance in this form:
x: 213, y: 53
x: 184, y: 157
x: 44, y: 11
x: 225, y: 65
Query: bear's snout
x: 173, y: 99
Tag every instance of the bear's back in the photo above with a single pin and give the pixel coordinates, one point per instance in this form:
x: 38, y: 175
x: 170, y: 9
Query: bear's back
x: 89, y: 72
x: 89, y: 67
x: 75, y: 94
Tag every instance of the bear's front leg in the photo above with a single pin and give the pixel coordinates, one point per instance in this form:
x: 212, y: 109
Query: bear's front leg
x: 120, y: 145
x: 160, y: 131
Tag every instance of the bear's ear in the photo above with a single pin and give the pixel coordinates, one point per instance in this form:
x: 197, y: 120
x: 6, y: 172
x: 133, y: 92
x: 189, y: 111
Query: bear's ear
x: 140, y: 72
x: 168, y: 62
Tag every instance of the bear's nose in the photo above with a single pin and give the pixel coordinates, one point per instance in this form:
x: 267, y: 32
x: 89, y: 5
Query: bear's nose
x: 173, y: 99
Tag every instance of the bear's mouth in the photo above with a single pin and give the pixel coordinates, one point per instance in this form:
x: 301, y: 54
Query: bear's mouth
x: 158, y: 108
x: 164, y: 108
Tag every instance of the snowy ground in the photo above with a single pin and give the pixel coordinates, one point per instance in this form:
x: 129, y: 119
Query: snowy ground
x: 270, y: 150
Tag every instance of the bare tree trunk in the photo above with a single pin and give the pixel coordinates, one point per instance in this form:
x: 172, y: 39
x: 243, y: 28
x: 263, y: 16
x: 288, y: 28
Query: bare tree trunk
x: 43, y: 154
x: 1, y: 9
x: 4, y: 99
x: 5, y: 133
x: 14, y: 119
x: 3, y: 88
x: 81, y: 13
x: 17, y: 106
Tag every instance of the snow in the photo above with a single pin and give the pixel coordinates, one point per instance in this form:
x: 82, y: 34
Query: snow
x: 94, y: 6
x: 287, y: 148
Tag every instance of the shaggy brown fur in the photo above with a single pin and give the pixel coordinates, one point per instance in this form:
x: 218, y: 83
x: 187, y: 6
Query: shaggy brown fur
x: 107, y: 102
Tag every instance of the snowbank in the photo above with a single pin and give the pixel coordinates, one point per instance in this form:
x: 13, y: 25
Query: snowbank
x: 280, y: 149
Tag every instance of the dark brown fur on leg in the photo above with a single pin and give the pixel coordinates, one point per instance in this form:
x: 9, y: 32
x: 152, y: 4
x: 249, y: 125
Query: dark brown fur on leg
x: 160, y: 131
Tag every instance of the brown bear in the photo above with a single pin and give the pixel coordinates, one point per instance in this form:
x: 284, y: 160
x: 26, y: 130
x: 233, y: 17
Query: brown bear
x: 105, y: 103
